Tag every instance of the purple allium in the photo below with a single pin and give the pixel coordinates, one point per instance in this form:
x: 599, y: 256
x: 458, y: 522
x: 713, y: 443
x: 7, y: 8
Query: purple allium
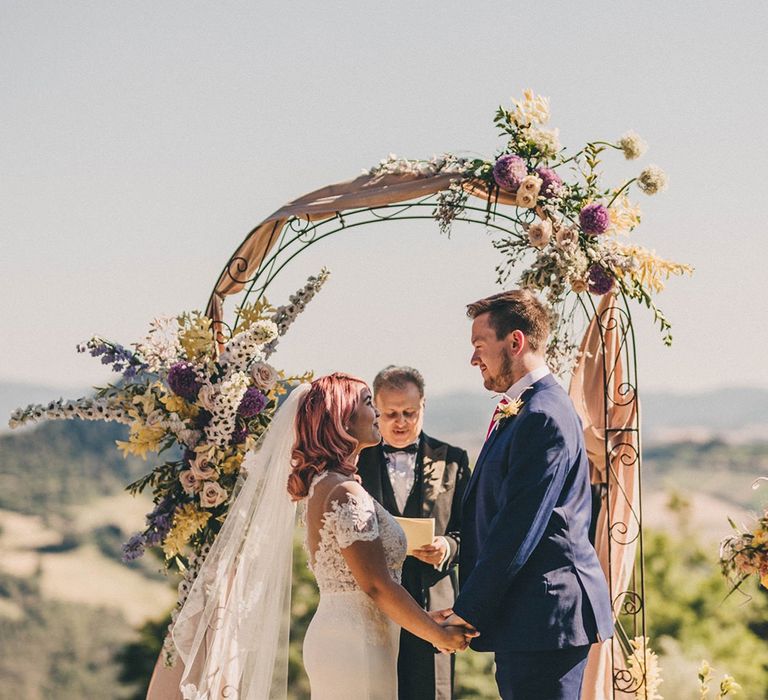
x: 133, y: 548
x: 509, y: 171
x: 202, y: 419
x: 238, y: 436
x: 252, y: 404
x: 183, y: 380
x: 600, y: 280
x: 594, y: 219
x: 551, y: 183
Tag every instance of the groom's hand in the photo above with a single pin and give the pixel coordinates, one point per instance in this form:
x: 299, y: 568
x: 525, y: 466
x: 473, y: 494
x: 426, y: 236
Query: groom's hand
x: 454, y: 620
x: 432, y: 553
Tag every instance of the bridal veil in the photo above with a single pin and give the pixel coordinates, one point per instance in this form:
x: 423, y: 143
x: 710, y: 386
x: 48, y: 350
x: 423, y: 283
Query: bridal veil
x: 232, y: 632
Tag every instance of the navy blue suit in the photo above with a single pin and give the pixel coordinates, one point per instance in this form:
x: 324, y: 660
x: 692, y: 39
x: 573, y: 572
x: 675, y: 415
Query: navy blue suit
x: 530, y: 581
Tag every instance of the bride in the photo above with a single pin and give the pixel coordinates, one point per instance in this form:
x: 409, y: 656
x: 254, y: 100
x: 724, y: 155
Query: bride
x: 232, y: 632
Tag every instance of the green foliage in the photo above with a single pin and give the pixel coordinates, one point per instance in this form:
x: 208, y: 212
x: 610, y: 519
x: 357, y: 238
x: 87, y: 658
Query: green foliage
x: 61, y: 464
x: 691, y: 617
x: 58, y: 650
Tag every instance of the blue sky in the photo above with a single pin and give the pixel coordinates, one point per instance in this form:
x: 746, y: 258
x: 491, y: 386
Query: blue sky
x: 141, y: 141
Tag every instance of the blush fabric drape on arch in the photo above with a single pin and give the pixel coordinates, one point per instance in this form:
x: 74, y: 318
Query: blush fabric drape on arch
x: 613, y: 448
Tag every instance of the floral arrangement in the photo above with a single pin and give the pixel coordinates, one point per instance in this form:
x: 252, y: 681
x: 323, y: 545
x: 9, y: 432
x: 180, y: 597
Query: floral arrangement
x: 205, y: 404
x: 572, y: 228
x: 727, y: 683
x: 745, y: 553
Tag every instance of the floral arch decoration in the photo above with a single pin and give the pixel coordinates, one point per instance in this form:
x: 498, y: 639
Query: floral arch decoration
x: 203, y: 385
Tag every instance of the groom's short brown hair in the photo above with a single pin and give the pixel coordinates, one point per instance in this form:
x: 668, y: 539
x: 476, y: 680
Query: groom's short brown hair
x: 517, y: 309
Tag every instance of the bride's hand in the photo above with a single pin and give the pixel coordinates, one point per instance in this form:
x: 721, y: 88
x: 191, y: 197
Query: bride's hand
x: 453, y: 638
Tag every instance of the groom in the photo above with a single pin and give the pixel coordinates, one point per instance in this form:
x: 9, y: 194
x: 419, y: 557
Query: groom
x: 531, y: 582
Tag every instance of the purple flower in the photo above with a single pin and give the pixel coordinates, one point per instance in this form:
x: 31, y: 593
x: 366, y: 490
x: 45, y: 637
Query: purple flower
x: 551, y: 183
x: 183, y: 380
x: 600, y: 280
x: 594, y: 219
x: 121, y: 359
x: 133, y: 548
x: 252, y: 404
x: 509, y: 171
x: 202, y: 419
x: 238, y: 436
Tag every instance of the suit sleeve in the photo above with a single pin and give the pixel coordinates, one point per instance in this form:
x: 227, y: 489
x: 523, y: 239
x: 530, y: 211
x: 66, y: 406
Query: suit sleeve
x: 430, y: 574
x: 537, y: 470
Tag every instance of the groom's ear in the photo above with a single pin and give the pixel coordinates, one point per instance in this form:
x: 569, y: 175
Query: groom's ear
x: 517, y: 341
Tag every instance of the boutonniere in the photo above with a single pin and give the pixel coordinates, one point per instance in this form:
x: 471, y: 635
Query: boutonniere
x: 508, y: 408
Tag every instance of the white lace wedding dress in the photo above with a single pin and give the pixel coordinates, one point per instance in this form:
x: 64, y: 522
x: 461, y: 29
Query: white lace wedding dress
x: 350, y: 648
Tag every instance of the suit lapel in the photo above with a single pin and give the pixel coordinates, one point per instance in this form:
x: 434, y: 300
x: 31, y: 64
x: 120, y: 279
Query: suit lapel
x: 487, y: 445
x: 543, y: 383
x: 388, y: 499
x: 432, y: 473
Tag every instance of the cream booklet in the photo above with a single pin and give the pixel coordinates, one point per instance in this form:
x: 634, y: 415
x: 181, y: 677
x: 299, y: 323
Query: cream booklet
x: 418, y: 531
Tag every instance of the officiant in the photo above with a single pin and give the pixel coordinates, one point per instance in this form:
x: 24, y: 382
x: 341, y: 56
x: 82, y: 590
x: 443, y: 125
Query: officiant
x: 417, y: 476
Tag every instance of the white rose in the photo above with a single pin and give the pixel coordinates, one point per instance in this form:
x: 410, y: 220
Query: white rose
x: 539, y: 233
x: 528, y: 192
x: 212, y: 494
x: 264, y: 376
x: 189, y: 482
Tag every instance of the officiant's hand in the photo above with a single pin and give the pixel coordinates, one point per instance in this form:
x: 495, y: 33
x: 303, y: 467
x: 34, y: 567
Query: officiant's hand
x: 432, y: 553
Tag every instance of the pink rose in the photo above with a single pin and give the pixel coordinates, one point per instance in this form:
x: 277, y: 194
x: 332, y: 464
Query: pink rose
x: 212, y: 494
x: 264, y: 376
x: 566, y: 236
x: 539, y: 233
x: 579, y: 286
x: 189, y: 482
x: 202, y: 468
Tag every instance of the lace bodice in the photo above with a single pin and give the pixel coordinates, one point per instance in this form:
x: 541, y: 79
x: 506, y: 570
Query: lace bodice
x: 360, y: 517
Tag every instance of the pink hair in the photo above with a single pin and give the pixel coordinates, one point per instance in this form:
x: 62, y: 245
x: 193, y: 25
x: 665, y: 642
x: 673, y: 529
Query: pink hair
x: 322, y: 442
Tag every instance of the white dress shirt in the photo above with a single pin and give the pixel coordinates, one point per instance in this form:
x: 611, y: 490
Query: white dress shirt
x: 401, y: 467
x: 528, y: 380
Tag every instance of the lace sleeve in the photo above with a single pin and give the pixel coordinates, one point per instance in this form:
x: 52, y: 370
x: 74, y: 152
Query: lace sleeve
x: 353, y: 520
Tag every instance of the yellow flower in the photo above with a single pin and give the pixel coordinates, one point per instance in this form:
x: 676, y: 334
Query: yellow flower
x: 759, y: 537
x: 650, y: 270
x: 624, y: 216
x: 141, y: 439
x: 764, y: 580
x: 146, y: 401
x: 196, y: 336
x: 186, y: 522
x: 176, y: 404
x: 231, y: 464
x: 507, y: 409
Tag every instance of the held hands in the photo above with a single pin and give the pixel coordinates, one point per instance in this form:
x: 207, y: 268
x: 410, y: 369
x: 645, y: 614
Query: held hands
x: 456, y: 632
x: 432, y: 553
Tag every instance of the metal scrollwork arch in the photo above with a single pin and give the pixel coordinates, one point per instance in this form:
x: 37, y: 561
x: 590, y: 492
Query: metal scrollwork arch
x: 621, y: 443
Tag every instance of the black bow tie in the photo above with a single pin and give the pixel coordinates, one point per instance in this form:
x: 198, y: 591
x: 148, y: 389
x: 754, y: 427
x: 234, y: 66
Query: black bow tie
x: 412, y: 448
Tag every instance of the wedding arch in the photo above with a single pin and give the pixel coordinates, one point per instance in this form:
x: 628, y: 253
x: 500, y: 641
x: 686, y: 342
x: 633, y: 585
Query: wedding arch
x: 203, y: 385
x: 529, y: 211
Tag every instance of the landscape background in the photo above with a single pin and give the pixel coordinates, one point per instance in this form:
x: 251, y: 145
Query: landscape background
x: 77, y: 623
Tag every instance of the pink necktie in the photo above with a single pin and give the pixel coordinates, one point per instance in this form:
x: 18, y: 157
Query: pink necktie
x: 504, y: 401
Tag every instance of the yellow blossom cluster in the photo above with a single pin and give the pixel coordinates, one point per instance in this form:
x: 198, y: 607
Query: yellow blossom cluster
x: 624, y: 216
x: 649, y: 269
x: 186, y: 522
x: 196, y: 336
x: 181, y: 407
x: 142, y: 438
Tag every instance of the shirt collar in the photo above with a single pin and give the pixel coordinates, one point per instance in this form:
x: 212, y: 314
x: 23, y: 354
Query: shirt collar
x: 528, y: 380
